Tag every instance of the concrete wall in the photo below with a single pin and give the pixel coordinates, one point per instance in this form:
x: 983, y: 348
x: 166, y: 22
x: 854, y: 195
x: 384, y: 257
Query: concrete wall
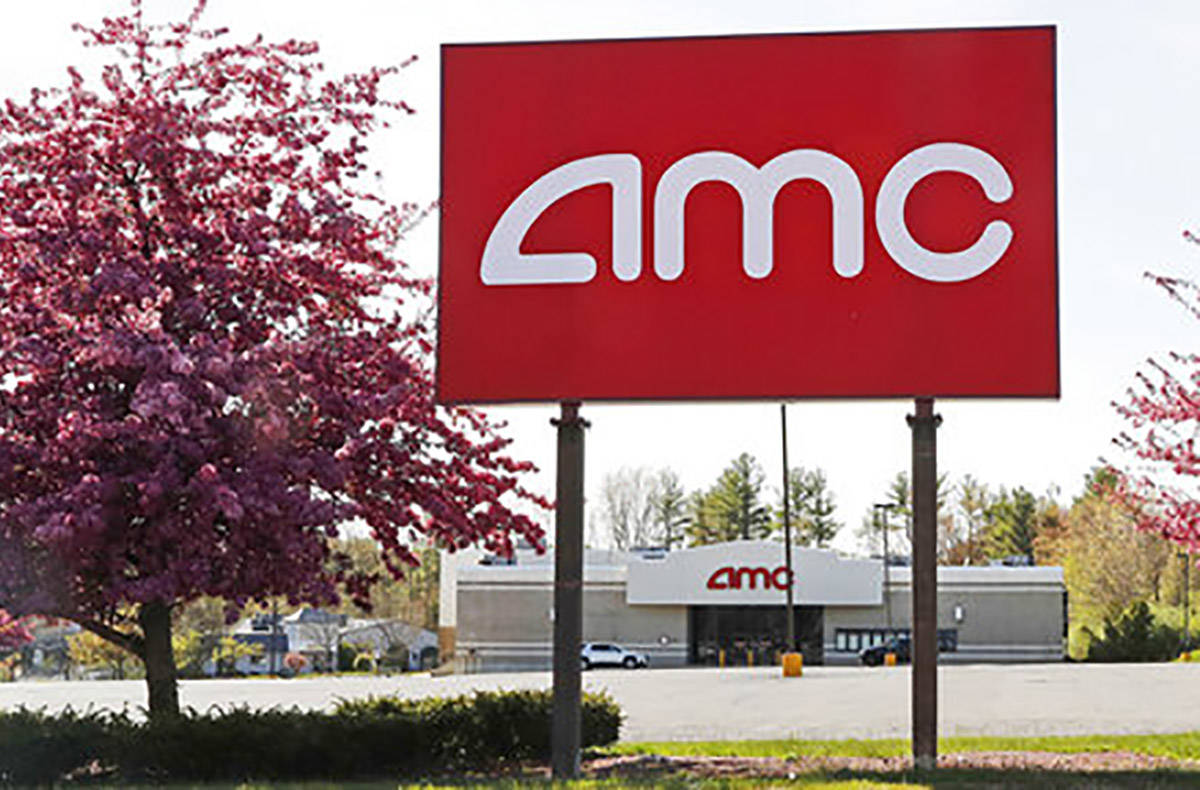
x: 509, y: 627
x: 1002, y: 622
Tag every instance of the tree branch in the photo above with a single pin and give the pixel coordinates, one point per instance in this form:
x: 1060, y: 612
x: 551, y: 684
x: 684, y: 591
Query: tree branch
x: 131, y: 642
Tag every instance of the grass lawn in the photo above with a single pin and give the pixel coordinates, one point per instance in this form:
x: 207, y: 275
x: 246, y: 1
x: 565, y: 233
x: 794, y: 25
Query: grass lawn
x: 1180, y: 746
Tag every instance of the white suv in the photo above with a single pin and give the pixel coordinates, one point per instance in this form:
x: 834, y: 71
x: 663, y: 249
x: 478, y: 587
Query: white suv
x: 599, y: 654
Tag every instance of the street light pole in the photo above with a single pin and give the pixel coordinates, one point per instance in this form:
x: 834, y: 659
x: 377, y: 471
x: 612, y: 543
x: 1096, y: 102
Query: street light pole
x: 787, y: 535
x: 885, y: 526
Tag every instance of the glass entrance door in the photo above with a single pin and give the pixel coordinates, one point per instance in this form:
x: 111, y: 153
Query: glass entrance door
x: 744, y: 635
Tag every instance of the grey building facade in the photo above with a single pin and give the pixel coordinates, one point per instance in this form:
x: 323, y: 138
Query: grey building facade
x: 724, y: 605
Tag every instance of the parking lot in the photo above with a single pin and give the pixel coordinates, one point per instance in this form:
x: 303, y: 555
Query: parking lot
x: 703, y: 703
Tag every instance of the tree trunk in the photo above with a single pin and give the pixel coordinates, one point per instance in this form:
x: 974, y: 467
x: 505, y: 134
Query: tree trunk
x: 155, y: 619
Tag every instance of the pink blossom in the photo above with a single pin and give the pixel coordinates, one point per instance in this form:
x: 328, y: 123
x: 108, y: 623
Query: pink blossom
x: 187, y: 263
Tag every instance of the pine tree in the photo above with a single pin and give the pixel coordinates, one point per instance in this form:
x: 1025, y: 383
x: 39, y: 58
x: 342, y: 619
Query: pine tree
x: 898, y: 519
x: 811, y: 508
x: 704, y: 525
x: 669, y: 506
x: 736, y: 498
x: 1013, y: 525
x: 731, y: 509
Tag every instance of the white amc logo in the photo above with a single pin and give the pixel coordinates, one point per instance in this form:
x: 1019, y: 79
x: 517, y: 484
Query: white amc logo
x: 504, y: 263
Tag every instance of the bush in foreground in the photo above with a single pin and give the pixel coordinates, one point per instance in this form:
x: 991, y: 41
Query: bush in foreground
x: 375, y: 737
x: 508, y: 725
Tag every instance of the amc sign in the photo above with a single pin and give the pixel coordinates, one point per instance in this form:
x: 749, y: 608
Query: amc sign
x: 752, y: 573
x: 843, y: 215
x: 731, y: 578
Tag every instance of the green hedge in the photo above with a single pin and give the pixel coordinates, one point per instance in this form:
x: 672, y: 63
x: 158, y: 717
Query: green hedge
x: 36, y: 748
x: 506, y: 726
x: 375, y: 737
x: 1134, y: 635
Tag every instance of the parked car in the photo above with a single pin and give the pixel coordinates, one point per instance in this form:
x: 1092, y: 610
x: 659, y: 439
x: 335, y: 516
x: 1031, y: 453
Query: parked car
x: 597, y: 654
x: 900, y: 645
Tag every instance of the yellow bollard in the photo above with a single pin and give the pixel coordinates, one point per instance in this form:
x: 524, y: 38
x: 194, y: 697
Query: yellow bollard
x: 793, y: 665
x: 889, y: 659
x: 721, y: 659
x: 749, y: 658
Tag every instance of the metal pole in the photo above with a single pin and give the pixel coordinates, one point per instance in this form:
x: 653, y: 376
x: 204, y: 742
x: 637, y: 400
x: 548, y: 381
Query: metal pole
x: 787, y: 535
x: 1187, y: 601
x: 924, y: 426
x: 568, y: 594
x: 886, y: 526
x: 887, y: 598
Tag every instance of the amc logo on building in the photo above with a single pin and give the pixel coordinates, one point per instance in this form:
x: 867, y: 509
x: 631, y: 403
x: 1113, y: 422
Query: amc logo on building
x: 749, y: 578
x: 752, y: 572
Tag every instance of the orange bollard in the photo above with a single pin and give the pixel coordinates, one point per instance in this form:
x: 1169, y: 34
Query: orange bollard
x: 793, y: 665
x: 721, y: 659
x: 889, y: 659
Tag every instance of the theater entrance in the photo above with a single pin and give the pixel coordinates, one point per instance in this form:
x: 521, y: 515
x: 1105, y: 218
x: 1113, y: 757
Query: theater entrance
x: 752, y: 635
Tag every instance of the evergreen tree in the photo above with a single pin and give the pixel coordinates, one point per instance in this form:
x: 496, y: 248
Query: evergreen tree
x: 669, y: 507
x: 703, y: 523
x: 737, y: 498
x: 731, y: 509
x: 1135, y: 635
x: 811, y: 508
x: 1013, y: 525
x: 898, y: 520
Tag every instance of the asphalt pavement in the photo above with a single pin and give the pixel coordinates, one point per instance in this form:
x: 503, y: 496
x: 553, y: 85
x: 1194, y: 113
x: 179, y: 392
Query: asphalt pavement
x: 752, y: 703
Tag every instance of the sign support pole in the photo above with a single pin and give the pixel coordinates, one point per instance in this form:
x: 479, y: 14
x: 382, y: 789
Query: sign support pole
x: 565, y: 733
x: 924, y: 426
x: 787, y: 536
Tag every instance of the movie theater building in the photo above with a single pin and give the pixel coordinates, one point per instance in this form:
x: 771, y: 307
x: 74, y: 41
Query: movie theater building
x: 726, y: 603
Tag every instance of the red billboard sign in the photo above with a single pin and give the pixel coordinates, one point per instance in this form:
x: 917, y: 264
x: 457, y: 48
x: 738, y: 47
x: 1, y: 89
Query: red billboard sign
x: 820, y: 215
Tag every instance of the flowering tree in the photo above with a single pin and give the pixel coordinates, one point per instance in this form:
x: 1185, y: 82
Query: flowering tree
x: 203, y: 370
x: 1160, y: 476
x: 13, y: 633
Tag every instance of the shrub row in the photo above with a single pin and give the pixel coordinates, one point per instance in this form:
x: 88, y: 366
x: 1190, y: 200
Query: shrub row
x: 374, y: 737
x: 1134, y: 635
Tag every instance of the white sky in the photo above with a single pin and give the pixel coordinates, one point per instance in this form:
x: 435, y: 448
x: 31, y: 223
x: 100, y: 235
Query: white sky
x: 1128, y: 167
